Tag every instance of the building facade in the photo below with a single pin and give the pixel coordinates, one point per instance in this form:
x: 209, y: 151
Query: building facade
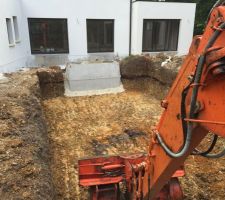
x: 52, y: 32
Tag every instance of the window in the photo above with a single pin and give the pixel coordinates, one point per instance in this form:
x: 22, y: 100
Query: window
x: 16, y: 29
x: 100, y: 35
x: 48, y: 36
x: 160, y: 35
x: 10, y: 31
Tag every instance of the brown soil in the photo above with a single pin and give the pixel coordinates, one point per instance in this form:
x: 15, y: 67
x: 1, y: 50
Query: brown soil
x: 205, y: 178
x: 150, y: 66
x: 51, y: 82
x: 24, y: 170
x: 115, y: 124
x: 99, y: 125
x: 80, y: 127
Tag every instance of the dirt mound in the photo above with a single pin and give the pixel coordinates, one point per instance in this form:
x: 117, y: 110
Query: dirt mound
x: 51, y: 82
x: 160, y: 67
x: 24, y: 169
x: 135, y: 66
x: 50, y: 75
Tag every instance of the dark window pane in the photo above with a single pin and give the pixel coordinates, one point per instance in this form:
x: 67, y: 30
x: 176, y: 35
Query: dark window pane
x: 160, y: 35
x: 48, y: 35
x: 100, y: 35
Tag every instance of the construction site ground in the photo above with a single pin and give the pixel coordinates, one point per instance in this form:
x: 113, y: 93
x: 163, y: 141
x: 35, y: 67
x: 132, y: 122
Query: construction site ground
x: 43, y: 134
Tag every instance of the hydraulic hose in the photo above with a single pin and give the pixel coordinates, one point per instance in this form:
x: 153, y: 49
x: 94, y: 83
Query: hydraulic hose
x: 183, y: 109
x: 219, y: 155
x: 209, y: 150
x: 194, y: 95
x: 207, y: 154
x: 218, y: 3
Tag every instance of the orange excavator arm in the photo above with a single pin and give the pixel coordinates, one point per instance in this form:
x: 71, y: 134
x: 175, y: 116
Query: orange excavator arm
x: 194, y: 106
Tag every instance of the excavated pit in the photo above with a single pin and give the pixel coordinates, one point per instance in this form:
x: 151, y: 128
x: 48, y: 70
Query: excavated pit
x: 116, y: 124
x: 111, y: 124
x: 43, y: 134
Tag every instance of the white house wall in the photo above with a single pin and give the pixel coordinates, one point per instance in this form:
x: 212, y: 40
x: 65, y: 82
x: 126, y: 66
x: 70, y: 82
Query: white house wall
x: 77, y: 11
x: 162, y: 10
x: 14, y: 57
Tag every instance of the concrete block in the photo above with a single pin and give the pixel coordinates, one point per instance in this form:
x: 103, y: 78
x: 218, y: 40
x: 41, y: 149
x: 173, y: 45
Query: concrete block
x: 89, y: 78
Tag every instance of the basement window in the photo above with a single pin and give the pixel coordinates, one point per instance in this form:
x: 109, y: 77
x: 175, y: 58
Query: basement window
x: 48, y: 36
x: 160, y: 35
x: 10, y: 31
x: 16, y: 29
x: 100, y: 35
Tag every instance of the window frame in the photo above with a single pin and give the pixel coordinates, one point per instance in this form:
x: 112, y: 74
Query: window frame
x: 9, y: 27
x: 113, y: 32
x: 179, y: 23
x: 67, y: 36
x: 16, y: 29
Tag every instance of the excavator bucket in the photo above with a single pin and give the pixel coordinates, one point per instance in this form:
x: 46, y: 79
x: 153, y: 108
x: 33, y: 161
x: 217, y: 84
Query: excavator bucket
x: 122, y: 177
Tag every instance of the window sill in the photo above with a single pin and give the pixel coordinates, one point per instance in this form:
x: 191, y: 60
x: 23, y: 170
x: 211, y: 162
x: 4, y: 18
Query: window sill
x: 17, y: 41
x: 160, y: 51
x: 45, y: 54
x: 102, y: 52
x: 12, y: 45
